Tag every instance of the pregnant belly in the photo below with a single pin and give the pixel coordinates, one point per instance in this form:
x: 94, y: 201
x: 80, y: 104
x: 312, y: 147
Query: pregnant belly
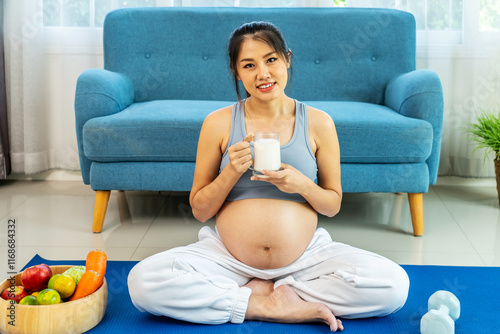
x: 266, y: 233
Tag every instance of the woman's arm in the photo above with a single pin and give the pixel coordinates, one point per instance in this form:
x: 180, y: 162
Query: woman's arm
x: 210, y: 188
x: 326, y: 196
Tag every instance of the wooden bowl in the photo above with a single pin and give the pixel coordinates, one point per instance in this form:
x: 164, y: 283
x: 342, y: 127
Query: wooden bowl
x: 77, y: 316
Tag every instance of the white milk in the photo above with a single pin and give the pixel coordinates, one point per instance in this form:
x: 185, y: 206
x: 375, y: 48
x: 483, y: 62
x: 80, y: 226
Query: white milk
x: 266, y: 155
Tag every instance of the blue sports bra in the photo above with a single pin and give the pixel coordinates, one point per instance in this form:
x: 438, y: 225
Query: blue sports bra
x: 297, y: 153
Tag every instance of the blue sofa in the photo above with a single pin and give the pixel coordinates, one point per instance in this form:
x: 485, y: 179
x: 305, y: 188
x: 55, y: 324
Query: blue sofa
x: 166, y: 69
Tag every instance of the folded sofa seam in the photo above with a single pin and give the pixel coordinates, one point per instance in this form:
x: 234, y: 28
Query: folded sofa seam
x: 106, y: 95
x: 413, y: 95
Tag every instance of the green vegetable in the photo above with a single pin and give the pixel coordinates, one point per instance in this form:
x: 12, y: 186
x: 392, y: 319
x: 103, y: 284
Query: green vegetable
x: 76, y: 272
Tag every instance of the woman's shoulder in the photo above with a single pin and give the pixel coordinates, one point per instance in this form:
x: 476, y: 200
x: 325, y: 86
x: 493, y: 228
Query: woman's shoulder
x: 217, y: 125
x: 319, y: 118
x: 219, y: 116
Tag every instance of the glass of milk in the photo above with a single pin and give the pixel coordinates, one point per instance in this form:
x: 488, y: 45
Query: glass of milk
x: 266, y: 152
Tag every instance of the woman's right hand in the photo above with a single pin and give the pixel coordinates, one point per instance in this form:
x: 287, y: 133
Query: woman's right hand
x: 240, y: 155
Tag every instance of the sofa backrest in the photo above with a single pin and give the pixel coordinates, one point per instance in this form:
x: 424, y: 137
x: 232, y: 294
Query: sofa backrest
x: 343, y: 54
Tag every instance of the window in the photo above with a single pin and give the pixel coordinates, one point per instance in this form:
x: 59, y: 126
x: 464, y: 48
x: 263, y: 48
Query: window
x: 84, y: 13
x: 489, y: 15
x: 438, y: 15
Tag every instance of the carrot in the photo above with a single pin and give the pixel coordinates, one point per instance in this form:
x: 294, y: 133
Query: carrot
x: 89, y: 283
x: 96, y: 260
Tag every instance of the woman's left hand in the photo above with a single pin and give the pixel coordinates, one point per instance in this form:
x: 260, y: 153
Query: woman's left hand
x: 288, y: 179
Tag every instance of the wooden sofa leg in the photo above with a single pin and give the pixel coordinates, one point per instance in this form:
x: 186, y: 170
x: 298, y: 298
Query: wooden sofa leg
x: 417, y: 213
x: 100, y: 207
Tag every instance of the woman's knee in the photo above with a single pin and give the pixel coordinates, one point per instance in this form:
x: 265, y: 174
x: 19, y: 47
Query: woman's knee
x: 137, y: 289
x: 143, y: 282
x: 384, y: 293
x: 397, y: 294
x: 382, y: 300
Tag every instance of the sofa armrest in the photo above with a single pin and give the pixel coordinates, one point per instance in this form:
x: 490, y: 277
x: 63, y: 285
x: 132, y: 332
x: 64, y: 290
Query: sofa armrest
x: 419, y: 94
x: 98, y: 93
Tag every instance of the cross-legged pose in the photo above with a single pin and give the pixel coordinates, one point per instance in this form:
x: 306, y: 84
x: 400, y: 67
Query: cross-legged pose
x: 267, y: 260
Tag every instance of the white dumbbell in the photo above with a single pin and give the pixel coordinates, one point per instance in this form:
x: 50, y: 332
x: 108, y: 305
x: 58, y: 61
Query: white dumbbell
x: 444, y: 309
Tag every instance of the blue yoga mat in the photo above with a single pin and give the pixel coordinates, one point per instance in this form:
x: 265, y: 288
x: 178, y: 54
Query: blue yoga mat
x: 477, y: 288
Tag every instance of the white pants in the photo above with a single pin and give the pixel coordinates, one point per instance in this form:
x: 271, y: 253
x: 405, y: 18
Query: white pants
x: 203, y: 282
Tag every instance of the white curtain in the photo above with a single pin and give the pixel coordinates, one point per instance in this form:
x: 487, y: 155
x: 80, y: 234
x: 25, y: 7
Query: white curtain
x: 25, y: 89
x: 44, y: 59
x: 40, y: 92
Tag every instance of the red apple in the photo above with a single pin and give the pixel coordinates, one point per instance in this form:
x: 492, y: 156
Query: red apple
x: 16, y: 294
x: 36, y: 278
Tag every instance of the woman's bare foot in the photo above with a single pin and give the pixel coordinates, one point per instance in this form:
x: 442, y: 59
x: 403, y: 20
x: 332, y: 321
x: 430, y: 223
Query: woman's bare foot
x: 284, y: 305
x: 261, y: 287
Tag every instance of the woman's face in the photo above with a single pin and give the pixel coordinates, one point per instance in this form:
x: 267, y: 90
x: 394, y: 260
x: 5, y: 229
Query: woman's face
x: 263, y: 73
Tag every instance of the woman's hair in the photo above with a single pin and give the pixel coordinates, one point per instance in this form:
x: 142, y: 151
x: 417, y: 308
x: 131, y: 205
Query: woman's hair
x: 261, y: 31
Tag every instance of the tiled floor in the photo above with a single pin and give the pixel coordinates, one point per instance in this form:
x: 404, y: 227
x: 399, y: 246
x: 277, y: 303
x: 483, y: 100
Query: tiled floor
x: 54, y: 218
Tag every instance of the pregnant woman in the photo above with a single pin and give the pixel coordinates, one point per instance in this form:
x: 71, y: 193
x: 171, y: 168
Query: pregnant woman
x: 267, y: 260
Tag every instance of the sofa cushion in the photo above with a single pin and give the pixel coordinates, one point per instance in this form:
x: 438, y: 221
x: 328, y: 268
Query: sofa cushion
x: 164, y: 130
x: 370, y: 133
x: 367, y: 133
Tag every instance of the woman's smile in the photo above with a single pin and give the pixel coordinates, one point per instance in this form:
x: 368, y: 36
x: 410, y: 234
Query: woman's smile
x: 266, y: 87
